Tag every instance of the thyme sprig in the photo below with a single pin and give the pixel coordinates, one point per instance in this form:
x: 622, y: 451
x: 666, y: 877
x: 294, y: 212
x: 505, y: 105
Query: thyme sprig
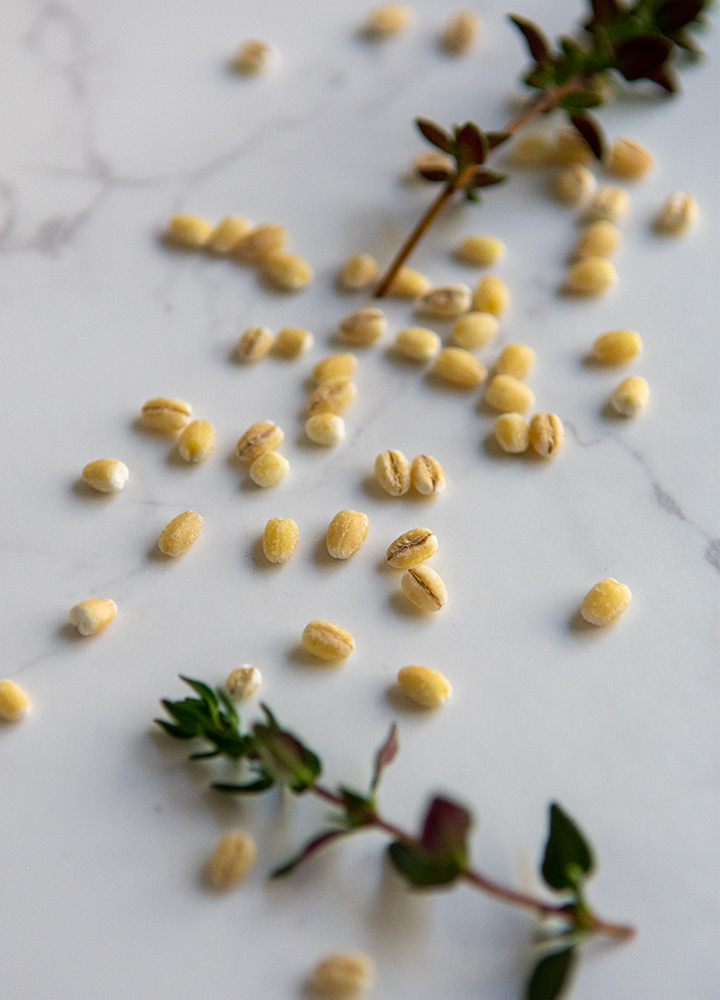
x: 618, y: 42
x: 437, y: 855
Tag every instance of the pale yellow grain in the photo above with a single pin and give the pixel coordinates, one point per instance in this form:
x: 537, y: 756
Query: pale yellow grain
x: 531, y: 150
x: 474, y: 329
x: 165, y: 415
x: 515, y: 359
x: 609, y: 202
x: 408, y: 284
x: 631, y: 396
x: 573, y: 186
x: 253, y: 57
x: 427, y: 476
x: 358, y: 272
x: 629, y: 160
x: 512, y: 433
x: 106, y: 475
x: 196, y: 441
x: 179, y: 534
x: 363, y: 327
x: 570, y: 147
x: 269, y: 469
x: 189, y: 231
x: 417, y: 343
x: 287, y: 271
x: 617, y: 346
x: 412, y: 548
x: 456, y: 365
x: 460, y: 33
x: 491, y: 295
x: 93, y: 615
x: 445, y: 301
x: 426, y: 687
x: 327, y: 640
x: 227, y: 232
x: 343, y: 976
x: 292, y: 341
x: 605, y: 602
x: 254, y: 344
x: 546, y: 434
x: 480, y: 251
x: 262, y: 436
x: 260, y: 242
x: 280, y: 539
x: 13, y: 701
x: 334, y: 365
x: 243, y: 682
x: 599, y: 239
x: 346, y: 533
x: 424, y: 588
x: 679, y: 212
x: 327, y: 429
x: 333, y: 395
x: 509, y: 394
x: 590, y: 276
x: 387, y: 20
x: 392, y: 471
x: 231, y: 860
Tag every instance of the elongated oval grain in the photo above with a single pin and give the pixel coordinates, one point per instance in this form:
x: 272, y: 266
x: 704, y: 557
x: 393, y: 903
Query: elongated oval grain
x: 327, y: 640
x: 392, y: 471
x: 179, y: 534
x: 411, y: 548
x: 424, y: 588
x: 262, y: 436
x: 346, y: 533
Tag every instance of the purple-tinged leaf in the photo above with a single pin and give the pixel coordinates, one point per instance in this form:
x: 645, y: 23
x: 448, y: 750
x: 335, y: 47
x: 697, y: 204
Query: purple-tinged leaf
x: 537, y: 43
x: 385, y: 755
x: 435, y: 134
x: 445, y: 829
x: 471, y: 143
x: 308, y: 850
x: 591, y: 132
x: 640, y: 56
x: 675, y: 14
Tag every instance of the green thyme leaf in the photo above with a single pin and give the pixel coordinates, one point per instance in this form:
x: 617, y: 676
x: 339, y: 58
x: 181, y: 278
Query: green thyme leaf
x: 568, y: 858
x: 551, y: 975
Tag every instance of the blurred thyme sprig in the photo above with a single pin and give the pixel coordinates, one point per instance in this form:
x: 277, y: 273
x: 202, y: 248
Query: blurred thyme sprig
x: 640, y: 41
x: 438, y: 855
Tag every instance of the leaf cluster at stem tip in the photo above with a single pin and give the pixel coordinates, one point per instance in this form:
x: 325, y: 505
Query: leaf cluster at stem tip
x: 438, y: 855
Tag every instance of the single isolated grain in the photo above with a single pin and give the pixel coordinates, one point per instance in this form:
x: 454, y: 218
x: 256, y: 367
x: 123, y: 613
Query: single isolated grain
x: 334, y: 365
x: 387, y: 20
x: 189, y: 231
x: 460, y: 33
x: 254, y: 57
x: 93, y: 615
x: 605, y: 602
x: 408, y: 284
x: 254, y: 344
x: 424, y: 588
x: 445, y: 301
x: 609, y: 202
x: 165, y: 415
x: 573, y: 186
x: 599, y: 239
x: 590, y: 277
x: 343, y: 976
x: 617, y: 346
x: 280, y: 539
x: 196, y: 441
x: 491, y: 295
x: 363, y: 327
x: 631, y: 396
x: 480, y: 251
x: 570, y: 147
x: 333, y: 395
x: 327, y: 640
x: 426, y: 687
x: 358, y: 272
x: 288, y: 272
x: 292, y: 341
x: 678, y: 213
x: 231, y: 860
x: 629, y: 160
x: 516, y: 360
x: 243, y: 682
x: 179, y: 534
x: 106, y: 475
x: 13, y: 701
x: 346, y: 533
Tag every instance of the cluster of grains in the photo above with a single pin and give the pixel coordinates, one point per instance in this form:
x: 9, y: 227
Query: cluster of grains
x: 257, y: 448
x: 335, y: 390
x: 422, y: 586
x: 263, y: 246
x: 544, y: 433
x: 396, y: 475
x: 168, y: 416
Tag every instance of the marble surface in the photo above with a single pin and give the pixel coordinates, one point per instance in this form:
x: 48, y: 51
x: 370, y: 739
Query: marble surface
x: 115, y: 116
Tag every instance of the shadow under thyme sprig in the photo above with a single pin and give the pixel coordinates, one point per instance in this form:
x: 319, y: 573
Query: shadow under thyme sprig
x: 646, y: 40
x: 436, y: 856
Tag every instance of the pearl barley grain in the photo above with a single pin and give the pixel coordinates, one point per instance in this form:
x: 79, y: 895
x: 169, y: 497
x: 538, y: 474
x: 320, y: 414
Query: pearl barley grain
x: 546, y: 434
x: 327, y: 640
x: 343, y: 976
x: 509, y: 394
x: 590, y: 277
x: 280, y: 539
x: 106, y: 475
x: 254, y: 344
x: 630, y: 397
x: 617, y: 346
x: 474, y: 330
x: 363, y: 327
x: 196, y: 441
x: 334, y: 365
x: 243, y: 682
x: 333, y: 395
x: 292, y: 341
x: 516, y: 360
x: 231, y: 861
x: 460, y: 32
x: 424, y: 588
x: 358, y: 272
x: 179, y: 534
x: 93, y: 615
x: 269, y: 469
x: 609, y: 203
x: 417, y: 343
x: 227, y: 233
x: 445, y: 302
x: 678, y: 213
x: 427, y: 476
x: 426, y: 687
x: 392, y: 471
x: 530, y: 151
x: 573, y: 185
x: 605, y: 602
x: 346, y: 533
x: 408, y: 284
x: 512, y: 433
x: 254, y: 57
x: 412, y: 548
x: 480, y: 251
x: 189, y: 231
x: 387, y: 19
x: 13, y: 701
x: 165, y: 415
x: 456, y: 365
x: 262, y: 436
x: 491, y: 295
x: 288, y: 272
x: 629, y: 160
x: 261, y: 241
x: 599, y: 239
x: 327, y: 429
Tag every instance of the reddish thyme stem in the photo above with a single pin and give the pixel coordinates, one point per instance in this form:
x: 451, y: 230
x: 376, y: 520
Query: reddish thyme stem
x: 546, y: 102
x: 594, y: 924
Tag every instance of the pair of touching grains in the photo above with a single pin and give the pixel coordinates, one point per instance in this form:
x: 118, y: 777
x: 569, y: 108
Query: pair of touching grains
x: 544, y: 433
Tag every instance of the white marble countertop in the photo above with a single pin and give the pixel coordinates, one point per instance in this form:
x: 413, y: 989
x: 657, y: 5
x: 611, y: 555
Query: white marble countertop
x: 115, y: 116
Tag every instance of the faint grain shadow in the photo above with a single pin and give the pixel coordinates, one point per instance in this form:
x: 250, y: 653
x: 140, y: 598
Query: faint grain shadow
x: 374, y: 490
x: 401, y: 703
x: 298, y: 656
x: 578, y: 626
x: 70, y: 634
x: 406, y: 609
x: 85, y: 492
x: 321, y: 556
